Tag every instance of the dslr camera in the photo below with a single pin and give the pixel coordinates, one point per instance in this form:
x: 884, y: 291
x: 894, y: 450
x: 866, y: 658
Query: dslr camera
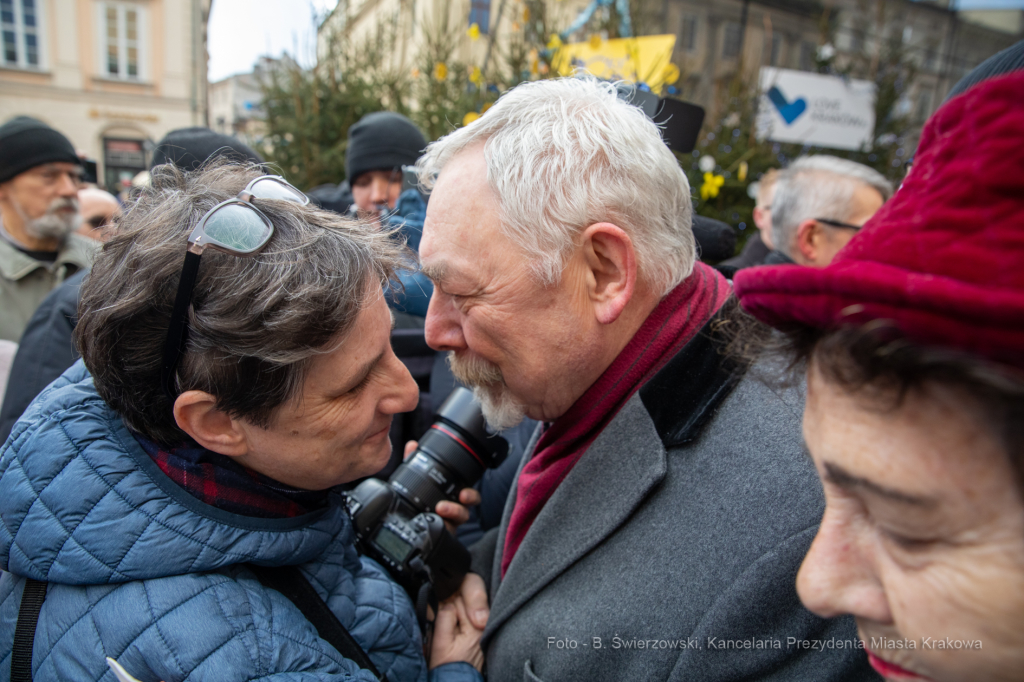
x: 395, y: 521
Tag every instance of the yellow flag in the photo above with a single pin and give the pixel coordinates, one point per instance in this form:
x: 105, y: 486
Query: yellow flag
x: 641, y: 60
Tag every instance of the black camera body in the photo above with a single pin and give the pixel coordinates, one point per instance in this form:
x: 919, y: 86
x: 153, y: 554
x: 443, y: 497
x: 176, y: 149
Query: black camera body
x: 395, y: 521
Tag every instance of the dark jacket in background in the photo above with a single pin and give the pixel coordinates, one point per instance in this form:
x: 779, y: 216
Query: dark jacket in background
x: 776, y: 257
x: 337, y: 198
x: 754, y: 252
x: 45, y: 352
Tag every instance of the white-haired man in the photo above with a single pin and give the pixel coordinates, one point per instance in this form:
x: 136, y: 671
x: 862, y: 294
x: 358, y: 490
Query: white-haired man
x: 659, y: 517
x: 820, y: 203
x: 39, y: 181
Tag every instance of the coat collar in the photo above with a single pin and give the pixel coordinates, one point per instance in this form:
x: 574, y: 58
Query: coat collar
x: 77, y: 251
x: 605, y: 487
x: 684, y: 395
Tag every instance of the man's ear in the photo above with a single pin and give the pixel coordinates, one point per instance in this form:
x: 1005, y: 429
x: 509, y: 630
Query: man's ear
x: 611, y: 269
x: 809, y: 235
x: 197, y: 415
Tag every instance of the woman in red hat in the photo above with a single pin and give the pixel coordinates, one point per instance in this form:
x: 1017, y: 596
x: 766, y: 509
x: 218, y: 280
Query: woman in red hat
x: 914, y: 346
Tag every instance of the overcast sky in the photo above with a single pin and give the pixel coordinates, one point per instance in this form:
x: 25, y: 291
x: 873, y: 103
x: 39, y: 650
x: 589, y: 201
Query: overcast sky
x: 240, y: 31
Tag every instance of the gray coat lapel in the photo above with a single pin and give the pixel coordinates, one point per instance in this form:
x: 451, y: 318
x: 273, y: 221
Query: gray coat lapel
x: 612, y: 478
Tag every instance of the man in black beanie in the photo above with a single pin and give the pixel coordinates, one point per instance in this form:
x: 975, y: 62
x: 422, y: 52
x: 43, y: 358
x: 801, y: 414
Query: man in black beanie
x: 40, y: 177
x: 378, y: 146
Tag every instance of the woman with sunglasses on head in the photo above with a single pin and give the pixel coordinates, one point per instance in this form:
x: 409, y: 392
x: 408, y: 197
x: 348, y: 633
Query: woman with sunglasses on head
x: 914, y: 346
x: 236, y: 369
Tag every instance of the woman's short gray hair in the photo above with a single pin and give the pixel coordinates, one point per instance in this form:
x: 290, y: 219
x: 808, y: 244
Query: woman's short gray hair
x: 564, y: 154
x: 255, y: 322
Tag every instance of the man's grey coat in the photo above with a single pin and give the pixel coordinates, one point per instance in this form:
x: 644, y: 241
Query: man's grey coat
x: 672, y: 546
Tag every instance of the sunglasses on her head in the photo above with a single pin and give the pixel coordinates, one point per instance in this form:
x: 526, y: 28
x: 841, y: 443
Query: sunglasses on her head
x: 234, y: 226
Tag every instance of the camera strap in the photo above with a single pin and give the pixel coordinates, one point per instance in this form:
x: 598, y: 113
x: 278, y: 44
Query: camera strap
x: 289, y: 581
x: 426, y: 597
x: 25, y: 631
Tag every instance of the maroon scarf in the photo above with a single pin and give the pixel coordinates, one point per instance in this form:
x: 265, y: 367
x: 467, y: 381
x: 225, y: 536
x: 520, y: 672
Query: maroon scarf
x: 675, y: 321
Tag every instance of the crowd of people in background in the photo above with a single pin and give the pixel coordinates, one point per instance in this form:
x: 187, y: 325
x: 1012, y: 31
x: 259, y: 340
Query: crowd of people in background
x: 194, y: 373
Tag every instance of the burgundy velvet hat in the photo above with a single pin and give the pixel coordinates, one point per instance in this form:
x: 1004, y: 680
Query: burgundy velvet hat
x: 943, y: 260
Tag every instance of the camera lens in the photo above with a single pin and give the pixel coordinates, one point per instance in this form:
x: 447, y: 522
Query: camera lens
x: 452, y: 454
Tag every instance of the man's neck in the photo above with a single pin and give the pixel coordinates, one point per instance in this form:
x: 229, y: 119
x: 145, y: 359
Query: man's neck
x: 603, y: 351
x: 13, y: 228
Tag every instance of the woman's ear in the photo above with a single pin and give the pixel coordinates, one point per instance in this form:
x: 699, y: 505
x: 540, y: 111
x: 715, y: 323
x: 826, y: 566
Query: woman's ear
x: 197, y: 414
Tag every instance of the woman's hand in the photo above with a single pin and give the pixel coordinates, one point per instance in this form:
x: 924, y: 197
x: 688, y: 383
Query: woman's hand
x: 455, y: 639
x: 454, y: 515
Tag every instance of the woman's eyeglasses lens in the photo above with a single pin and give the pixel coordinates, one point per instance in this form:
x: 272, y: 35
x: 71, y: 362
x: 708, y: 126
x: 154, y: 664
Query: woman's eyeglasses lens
x: 238, y: 227
x: 270, y: 188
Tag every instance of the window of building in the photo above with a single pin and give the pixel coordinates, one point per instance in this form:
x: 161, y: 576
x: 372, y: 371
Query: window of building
x: 688, y: 33
x: 480, y: 14
x: 807, y: 54
x: 731, y: 41
x: 857, y: 34
x: 122, y: 27
x: 20, y: 27
x: 924, y: 103
x: 122, y: 161
x: 776, y: 55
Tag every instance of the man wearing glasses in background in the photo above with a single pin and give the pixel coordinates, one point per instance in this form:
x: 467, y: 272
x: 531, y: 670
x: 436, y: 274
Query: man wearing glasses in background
x: 820, y: 203
x: 39, y: 181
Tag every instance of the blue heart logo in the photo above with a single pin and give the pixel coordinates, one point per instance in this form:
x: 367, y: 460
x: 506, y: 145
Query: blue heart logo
x: 790, y: 111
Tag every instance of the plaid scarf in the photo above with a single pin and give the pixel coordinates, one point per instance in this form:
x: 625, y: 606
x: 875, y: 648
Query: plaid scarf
x: 676, y: 320
x: 221, y: 482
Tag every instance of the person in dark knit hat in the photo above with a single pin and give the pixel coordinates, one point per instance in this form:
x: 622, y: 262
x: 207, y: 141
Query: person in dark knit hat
x: 378, y: 146
x: 190, y: 148
x: 913, y: 340
x: 40, y: 177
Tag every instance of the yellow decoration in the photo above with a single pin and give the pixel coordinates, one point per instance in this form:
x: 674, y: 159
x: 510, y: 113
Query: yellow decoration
x: 474, y: 31
x: 670, y: 75
x: 526, y: 14
x: 440, y: 71
x: 469, y: 118
x: 741, y: 172
x: 554, y: 42
x: 712, y: 183
x: 476, y: 77
x: 640, y: 60
x: 484, y: 108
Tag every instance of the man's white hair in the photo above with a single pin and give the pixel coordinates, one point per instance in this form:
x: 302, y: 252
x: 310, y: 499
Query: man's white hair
x: 819, y: 186
x: 567, y: 153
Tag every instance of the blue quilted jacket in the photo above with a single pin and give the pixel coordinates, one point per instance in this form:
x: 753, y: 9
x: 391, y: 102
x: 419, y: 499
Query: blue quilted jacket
x: 141, y: 571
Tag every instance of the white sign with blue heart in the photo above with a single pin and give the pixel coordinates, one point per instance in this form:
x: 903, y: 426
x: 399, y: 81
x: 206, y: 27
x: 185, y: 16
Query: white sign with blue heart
x: 813, y: 109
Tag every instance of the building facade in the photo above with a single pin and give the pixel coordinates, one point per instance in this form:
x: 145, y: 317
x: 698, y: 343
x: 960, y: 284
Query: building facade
x: 718, y: 41
x: 236, y: 104
x: 114, y: 76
